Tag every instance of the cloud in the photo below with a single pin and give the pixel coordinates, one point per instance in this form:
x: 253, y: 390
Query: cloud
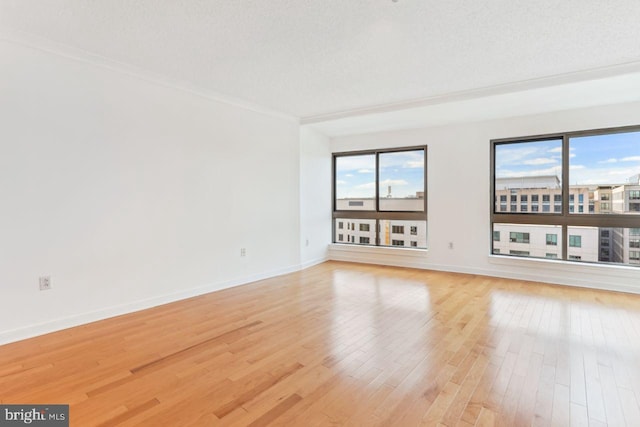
x: 414, y: 164
x: 349, y: 175
x: 554, y: 170
x: 631, y: 159
x: 555, y: 150
x: 540, y: 161
x: 365, y: 171
x: 609, y: 161
x: 341, y: 182
x: 574, y: 167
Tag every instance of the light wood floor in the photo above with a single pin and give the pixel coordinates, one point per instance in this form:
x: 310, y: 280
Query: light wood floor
x: 347, y: 344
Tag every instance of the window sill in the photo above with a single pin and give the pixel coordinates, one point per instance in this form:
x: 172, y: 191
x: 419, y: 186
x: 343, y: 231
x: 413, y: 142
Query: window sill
x: 566, y: 266
x: 380, y: 250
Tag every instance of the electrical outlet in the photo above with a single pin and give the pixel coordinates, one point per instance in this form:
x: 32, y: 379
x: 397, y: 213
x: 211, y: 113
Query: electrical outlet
x: 450, y: 245
x: 45, y: 283
x: 243, y: 251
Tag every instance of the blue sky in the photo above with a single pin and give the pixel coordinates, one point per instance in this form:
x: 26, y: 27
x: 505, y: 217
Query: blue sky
x: 403, y: 171
x: 601, y: 159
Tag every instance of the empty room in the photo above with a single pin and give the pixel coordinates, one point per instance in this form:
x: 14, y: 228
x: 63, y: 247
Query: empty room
x: 319, y: 212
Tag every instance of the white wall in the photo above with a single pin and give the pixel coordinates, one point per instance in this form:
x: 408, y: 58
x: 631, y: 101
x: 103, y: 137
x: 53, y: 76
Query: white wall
x: 315, y: 196
x: 129, y: 193
x: 459, y: 198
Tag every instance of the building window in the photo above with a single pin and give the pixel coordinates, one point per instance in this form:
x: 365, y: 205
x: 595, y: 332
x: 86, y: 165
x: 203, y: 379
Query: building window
x: 381, y: 187
x: 503, y: 198
x: 516, y: 237
x: 634, y: 243
x: 634, y: 255
x: 340, y: 237
x: 519, y: 253
x: 496, y: 251
x: 340, y: 225
x: 575, y: 241
x: 496, y: 236
x: 550, y: 255
x: 584, y: 187
x: 397, y: 243
x: 397, y: 229
x: 414, y: 244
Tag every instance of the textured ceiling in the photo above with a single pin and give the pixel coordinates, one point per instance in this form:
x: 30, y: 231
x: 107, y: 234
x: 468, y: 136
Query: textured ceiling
x: 309, y: 58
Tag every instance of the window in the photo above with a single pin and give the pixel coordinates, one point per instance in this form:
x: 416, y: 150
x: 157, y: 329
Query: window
x: 587, y: 185
x: 414, y: 244
x: 634, y: 255
x: 340, y: 225
x: 516, y: 237
x: 575, y: 241
x: 634, y: 243
x: 397, y: 242
x: 397, y: 229
x: 496, y: 251
x: 550, y: 255
x: 503, y: 198
x: 340, y: 237
x: 519, y: 253
x: 377, y: 188
x: 496, y: 236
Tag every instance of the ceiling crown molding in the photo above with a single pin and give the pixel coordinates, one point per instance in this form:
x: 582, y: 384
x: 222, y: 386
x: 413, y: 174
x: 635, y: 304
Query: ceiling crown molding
x: 63, y: 50
x: 630, y: 67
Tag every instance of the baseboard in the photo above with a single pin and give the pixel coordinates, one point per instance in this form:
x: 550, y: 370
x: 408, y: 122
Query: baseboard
x: 118, y: 310
x: 313, y: 262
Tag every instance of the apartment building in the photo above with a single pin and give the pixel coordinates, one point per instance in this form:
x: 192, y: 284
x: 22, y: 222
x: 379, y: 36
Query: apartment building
x: 591, y: 244
x: 399, y: 233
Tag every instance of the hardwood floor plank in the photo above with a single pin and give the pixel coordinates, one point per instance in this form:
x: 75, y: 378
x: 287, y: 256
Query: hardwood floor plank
x: 347, y: 344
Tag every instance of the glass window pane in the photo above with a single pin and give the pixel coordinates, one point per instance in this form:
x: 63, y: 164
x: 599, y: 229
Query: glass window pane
x: 403, y: 233
x: 356, y: 231
x: 530, y: 171
x: 355, y: 182
x: 605, y: 244
x: 528, y: 240
x: 402, y: 181
x: 605, y: 173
